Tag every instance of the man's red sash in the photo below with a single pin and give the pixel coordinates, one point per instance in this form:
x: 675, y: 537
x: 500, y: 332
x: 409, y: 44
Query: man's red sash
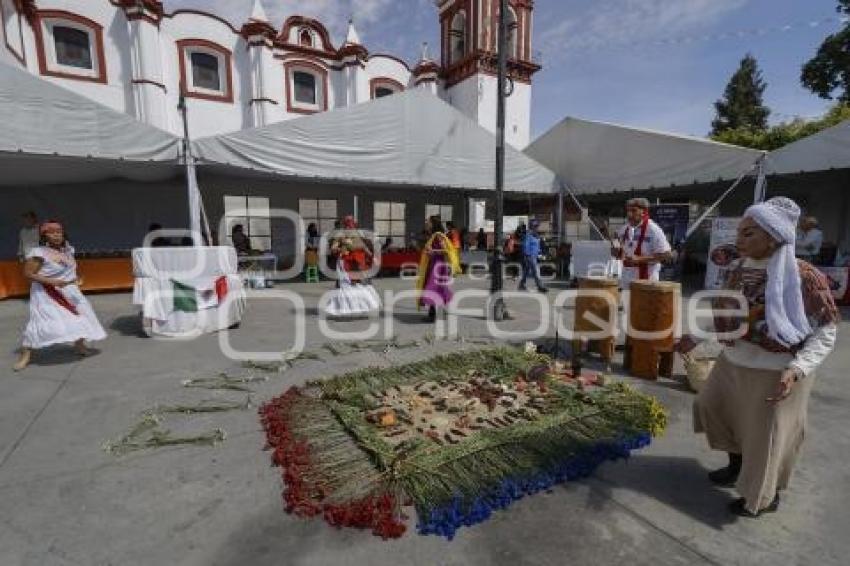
x: 643, y: 268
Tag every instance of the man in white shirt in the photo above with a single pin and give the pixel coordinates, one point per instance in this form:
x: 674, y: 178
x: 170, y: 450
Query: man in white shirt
x: 643, y: 244
x: 28, y: 237
x: 809, y: 239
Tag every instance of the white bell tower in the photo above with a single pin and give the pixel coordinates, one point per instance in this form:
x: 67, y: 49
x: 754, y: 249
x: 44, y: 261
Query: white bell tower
x: 469, y: 40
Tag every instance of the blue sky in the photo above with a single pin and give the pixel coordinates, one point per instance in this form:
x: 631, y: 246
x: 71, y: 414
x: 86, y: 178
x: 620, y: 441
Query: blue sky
x: 656, y: 64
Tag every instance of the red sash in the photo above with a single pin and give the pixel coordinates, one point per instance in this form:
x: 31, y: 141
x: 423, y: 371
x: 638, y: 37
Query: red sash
x: 60, y: 299
x: 221, y: 288
x: 643, y: 268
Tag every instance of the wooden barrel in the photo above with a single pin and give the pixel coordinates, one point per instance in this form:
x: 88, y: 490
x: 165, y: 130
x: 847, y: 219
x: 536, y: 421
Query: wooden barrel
x: 654, y: 306
x: 600, y: 308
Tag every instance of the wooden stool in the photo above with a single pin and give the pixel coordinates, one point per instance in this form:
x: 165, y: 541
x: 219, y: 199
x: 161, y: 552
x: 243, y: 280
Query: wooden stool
x: 653, y: 307
x: 598, y: 307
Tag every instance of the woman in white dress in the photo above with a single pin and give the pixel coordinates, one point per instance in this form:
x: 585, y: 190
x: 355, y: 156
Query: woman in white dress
x: 354, y: 296
x: 59, y: 313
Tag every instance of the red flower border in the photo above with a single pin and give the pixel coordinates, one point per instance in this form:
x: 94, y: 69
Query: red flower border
x: 304, y: 499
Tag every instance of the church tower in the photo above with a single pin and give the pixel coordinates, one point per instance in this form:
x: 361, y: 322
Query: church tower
x: 469, y: 44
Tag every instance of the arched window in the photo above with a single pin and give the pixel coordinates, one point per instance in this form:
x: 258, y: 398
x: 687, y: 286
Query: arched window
x: 306, y: 38
x: 205, y: 70
x: 304, y: 87
x: 73, y: 47
x: 384, y: 86
x: 457, y: 38
x: 70, y: 46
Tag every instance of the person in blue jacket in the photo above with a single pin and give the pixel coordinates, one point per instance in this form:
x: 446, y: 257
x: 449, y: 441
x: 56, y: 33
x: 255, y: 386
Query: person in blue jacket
x: 531, y: 245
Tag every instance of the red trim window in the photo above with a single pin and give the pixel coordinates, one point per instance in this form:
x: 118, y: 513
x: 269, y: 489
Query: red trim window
x: 384, y: 86
x: 306, y: 87
x: 13, y: 34
x: 206, y: 71
x: 458, y: 37
x: 70, y: 46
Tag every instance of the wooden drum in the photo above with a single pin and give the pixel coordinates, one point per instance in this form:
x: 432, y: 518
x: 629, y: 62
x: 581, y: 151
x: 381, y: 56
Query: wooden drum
x: 654, y: 306
x: 599, y: 308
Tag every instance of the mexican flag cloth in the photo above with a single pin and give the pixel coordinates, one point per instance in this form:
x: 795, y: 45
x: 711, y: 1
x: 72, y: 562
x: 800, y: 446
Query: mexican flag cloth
x: 198, y: 295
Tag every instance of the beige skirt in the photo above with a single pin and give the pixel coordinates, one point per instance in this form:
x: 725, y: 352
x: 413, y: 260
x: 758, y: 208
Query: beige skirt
x: 733, y: 413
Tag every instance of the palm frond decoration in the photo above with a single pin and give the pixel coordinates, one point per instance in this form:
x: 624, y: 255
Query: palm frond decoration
x: 455, y: 438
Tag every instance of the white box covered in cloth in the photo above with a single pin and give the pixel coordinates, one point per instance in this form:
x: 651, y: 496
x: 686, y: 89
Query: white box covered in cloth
x: 187, y: 291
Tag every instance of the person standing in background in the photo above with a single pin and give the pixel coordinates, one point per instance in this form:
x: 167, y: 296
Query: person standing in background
x: 809, y: 239
x: 454, y: 236
x: 531, y: 247
x: 28, y: 237
x: 482, y: 240
x: 643, y: 244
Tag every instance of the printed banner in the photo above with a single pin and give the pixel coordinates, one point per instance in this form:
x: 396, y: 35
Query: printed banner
x: 673, y: 219
x: 721, y: 251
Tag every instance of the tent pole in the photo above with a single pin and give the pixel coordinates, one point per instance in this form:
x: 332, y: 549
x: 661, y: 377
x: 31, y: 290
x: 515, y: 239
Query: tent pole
x: 560, y: 214
x: 761, y: 183
x: 192, y: 189
x: 498, y: 303
x: 711, y: 208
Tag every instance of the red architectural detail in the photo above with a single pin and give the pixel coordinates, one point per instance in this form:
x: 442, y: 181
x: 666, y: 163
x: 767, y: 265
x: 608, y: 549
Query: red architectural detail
x: 325, y: 49
x: 149, y: 82
x: 425, y: 67
x: 182, y: 46
x: 148, y: 10
x: 202, y: 13
x: 21, y: 57
x: 320, y: 71
x: 393, y: 57
x: 352, y: 49
x: 481, y: 57
x: 28, y: 9
x: 253, y: 28
x: 97, y: 33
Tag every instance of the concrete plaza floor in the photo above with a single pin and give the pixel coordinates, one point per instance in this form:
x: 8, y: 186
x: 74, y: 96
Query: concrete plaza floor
x: 65, y: 500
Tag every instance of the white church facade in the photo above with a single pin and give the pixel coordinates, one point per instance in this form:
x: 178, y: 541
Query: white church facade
x: 132, y: 56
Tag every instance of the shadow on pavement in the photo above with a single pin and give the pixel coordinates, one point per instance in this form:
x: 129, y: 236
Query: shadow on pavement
x: 59, y: 355
x: 679, y: 483
x: 128, y: 325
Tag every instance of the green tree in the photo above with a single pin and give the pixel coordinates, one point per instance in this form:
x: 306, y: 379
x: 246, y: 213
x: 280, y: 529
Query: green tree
x: 742, y: 105
x: 827, y: 74
x: 784, y: 133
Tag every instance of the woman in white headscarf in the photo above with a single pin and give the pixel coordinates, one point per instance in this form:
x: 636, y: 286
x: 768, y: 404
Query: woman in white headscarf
x: 754, y: 404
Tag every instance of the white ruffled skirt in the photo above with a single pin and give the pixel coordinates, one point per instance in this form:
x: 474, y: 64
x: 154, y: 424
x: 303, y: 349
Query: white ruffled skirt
x: 51, y: 323
x: 352, y: 299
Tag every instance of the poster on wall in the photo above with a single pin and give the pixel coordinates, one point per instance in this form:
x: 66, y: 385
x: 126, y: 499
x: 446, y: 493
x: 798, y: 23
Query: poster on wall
x: 838, y: 278
x: 721, y: 251
x: 673, y: 219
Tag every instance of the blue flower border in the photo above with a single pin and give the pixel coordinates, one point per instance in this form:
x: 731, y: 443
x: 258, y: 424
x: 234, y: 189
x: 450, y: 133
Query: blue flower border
x: 446, y: 520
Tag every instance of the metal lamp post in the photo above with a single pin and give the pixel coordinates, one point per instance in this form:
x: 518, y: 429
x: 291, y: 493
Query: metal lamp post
x: 497, y: 306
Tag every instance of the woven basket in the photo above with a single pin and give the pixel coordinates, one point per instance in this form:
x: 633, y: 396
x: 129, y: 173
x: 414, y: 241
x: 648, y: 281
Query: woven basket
x: 698, y: 370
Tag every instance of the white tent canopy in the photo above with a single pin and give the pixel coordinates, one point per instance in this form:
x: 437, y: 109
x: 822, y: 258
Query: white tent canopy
x: 828, y: 149
x: 47, y: 129
x: 411, y: 138
x: 594, y: 157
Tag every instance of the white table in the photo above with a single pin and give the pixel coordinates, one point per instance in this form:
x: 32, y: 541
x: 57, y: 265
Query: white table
x: 208, y: 270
